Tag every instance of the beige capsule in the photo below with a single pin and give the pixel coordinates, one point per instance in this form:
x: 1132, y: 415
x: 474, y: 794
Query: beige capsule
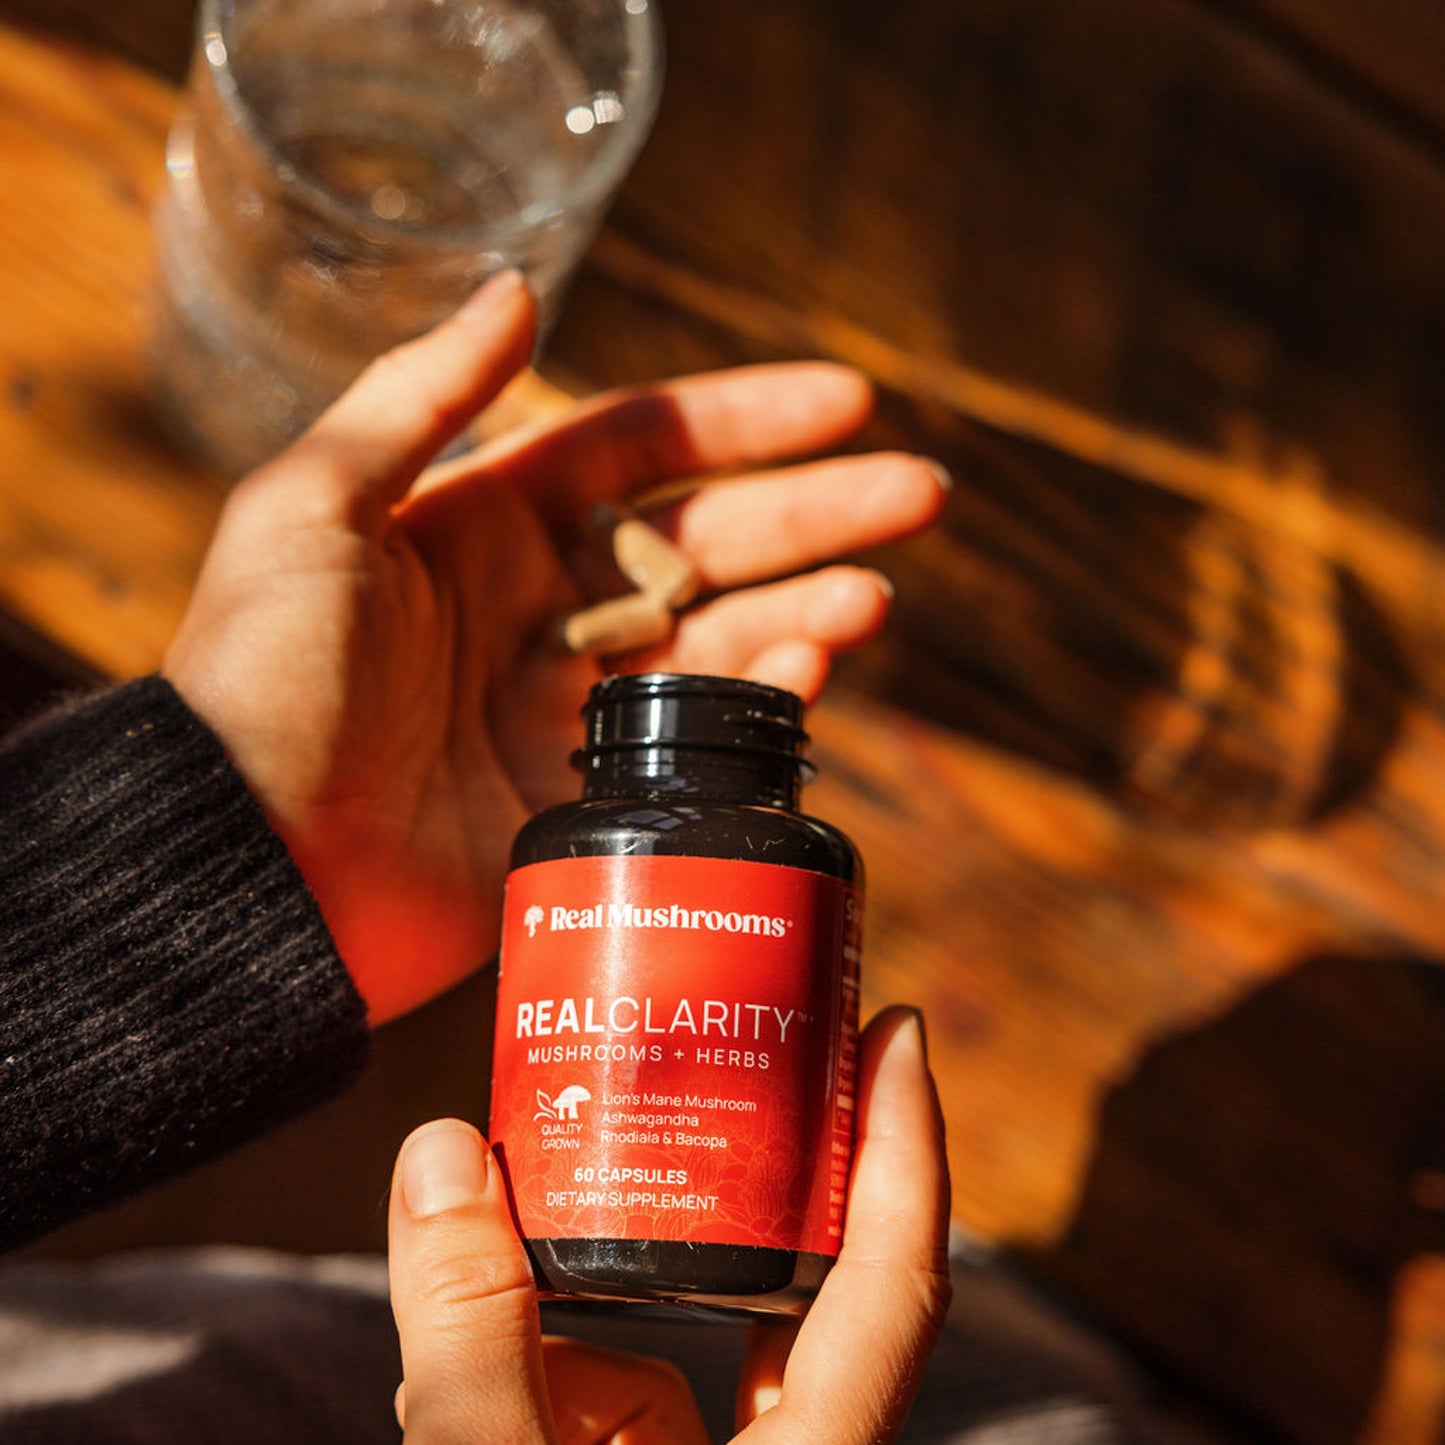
x: 649, y: 561
x: 620, y: 625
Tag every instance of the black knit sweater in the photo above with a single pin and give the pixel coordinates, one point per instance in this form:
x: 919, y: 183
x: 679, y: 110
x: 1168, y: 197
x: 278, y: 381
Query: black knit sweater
x: 168, y: 989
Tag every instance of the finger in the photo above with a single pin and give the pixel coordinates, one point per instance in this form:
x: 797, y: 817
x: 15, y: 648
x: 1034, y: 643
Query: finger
x: 603, y: 1396
x: 364, y: 452
x: 858, y: 1358
x: 831, y: 610
x: 622, y: 441
x: 796, y: 666
x: 743, y: 531
x: 463, y: 1297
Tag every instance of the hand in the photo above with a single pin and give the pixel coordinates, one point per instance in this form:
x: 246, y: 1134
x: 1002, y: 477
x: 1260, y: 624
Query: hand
x: 377, y: 654
x: 478, y: 1370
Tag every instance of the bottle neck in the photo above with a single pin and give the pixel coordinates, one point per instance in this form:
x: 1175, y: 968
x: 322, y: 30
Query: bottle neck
x: 695, y: 773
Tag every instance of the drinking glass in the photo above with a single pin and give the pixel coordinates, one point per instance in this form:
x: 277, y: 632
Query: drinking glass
x: 344, y: 173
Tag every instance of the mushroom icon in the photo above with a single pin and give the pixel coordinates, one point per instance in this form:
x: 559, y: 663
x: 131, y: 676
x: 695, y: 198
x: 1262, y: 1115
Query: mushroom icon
x: 564, y: 1106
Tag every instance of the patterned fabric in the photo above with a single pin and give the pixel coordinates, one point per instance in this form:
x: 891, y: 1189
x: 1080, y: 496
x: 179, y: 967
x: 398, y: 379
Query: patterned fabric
x: 168, y: 988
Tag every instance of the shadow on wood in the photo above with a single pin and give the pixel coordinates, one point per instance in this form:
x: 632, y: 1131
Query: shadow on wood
x: 1259, y: 1184
x: 1185, y: 662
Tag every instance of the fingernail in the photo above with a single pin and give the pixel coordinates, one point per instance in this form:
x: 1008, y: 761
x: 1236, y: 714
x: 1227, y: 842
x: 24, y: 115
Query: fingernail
x: 910, y: 1035
x: 941, y: 474
x: 885, y: 585
x: 441, y: 1169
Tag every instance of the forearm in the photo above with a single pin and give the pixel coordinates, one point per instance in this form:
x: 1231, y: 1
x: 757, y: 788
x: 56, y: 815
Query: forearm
x: 167, y: 986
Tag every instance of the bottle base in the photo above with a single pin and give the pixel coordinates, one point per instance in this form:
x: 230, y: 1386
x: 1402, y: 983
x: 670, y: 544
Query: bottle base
x: 724, y: 1278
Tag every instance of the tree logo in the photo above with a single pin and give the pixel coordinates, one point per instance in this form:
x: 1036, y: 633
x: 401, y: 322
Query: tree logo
x: 532, y: 918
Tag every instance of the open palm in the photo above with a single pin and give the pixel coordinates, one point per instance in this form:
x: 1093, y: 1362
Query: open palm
x: 376, y: 645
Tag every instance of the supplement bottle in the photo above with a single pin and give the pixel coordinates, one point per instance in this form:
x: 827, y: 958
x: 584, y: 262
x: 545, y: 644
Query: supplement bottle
x: 672, y: 1092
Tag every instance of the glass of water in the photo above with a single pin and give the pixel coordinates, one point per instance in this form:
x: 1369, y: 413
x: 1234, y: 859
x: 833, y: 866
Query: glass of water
x: 344, y: 173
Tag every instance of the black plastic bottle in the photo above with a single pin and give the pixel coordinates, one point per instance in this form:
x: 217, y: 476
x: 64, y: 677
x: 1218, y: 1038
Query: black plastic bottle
x: 672, y: 1095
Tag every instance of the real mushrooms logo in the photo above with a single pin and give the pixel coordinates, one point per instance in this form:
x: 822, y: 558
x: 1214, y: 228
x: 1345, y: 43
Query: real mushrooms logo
x: 532, y: 918
x: 564, y: 1106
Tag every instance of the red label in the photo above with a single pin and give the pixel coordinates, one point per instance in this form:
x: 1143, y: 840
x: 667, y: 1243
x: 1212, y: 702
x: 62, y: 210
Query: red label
x: 676, y: 1051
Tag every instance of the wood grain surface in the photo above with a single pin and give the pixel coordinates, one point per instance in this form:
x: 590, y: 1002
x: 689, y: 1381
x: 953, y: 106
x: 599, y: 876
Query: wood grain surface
x: 1149, y: 770
x: 1385, y: 53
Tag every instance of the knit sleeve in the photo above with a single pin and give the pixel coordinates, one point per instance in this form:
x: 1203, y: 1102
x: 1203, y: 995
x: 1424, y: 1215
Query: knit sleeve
x: 168, y: 988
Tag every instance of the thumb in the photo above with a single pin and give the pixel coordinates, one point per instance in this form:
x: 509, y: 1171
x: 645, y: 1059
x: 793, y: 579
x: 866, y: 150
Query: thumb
x: 463, y: 1297
x: 363, y: 453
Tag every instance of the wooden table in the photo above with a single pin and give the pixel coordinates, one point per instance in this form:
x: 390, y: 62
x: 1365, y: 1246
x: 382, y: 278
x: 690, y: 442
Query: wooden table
x: 1150, y: 769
